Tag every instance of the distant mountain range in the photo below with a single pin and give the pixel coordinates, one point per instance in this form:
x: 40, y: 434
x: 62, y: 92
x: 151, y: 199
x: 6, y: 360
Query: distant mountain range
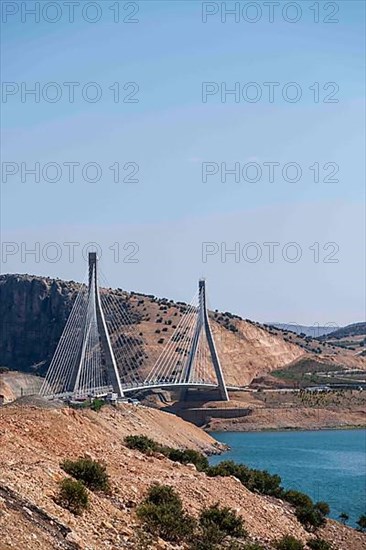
x: 313, y: 331
x: 356, y: 329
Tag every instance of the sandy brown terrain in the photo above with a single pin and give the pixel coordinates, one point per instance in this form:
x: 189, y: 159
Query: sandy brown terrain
x: 291, y: 419
x: 33, y: 441
x: 273, y: 410
x: 278, y: 410
x: 13, y: 384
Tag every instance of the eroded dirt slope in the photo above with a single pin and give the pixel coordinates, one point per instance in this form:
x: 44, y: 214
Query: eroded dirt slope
x: 33, y: 441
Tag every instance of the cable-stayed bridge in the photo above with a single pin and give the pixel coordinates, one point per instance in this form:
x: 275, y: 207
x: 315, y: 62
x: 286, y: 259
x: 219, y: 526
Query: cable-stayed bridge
x: 101, y: 351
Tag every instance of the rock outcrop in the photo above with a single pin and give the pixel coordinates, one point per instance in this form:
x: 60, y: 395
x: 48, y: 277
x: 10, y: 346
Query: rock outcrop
x: 33, y: 313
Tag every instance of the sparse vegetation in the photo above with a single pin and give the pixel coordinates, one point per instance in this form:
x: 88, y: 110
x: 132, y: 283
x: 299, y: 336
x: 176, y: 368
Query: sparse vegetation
x: 216, y: 524
x: 311, y: 517
x: 288, y: 543
x: 309, y: 514
x: 255, y: 480
x: 361, y: 522
x: 343, y: 518
x: 141, y: 443
x: 297, y: 499
x: 73, y: 496
x: 163, y: 515
x: 90, y: 472
x: 305, y: 371
x: 323, y: 508
x: 97, y: 404
x: 184, y: 456
x: 187, y: 456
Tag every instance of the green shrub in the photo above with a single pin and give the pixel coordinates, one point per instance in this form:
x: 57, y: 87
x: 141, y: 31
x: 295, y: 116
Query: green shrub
x: 255, y: 480
x: 97, y: 404
x: 265, y: 483
x: 343, y: 517
x: 166, y: 521
x: 253, y: 546
x: 361, y: 522
x: 323, y: 507
x: 218, y: 528
x: 141, y: 443
x: 319, y: 544
x: 188, y: 456
x: 224, y: 468
x: 163, y: 515
x: 310, y: 517
x: 163, y: 494
x: 73, y: 496
x: 90, y: 472
x: 288, y: 543
x: 208, y: 538
x: 224, y: 519
x: 297, y: 499
x: 185, y: 456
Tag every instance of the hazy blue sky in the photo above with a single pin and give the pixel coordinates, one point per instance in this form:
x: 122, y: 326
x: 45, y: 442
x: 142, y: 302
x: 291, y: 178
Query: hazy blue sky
x: 169, y: 132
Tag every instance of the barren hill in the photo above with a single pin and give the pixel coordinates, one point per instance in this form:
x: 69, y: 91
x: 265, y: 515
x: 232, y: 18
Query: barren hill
x: 33, y: 441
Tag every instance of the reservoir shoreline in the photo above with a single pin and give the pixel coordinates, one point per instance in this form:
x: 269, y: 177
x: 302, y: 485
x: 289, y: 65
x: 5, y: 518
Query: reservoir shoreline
x: 291, y: 429
x: 327, y: 465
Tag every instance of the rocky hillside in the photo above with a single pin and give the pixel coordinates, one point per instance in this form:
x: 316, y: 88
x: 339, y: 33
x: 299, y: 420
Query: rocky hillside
x: 34, y: 440
x: 351, y: 337
x: 33, y: 312
x: 356, y: 329
x: 313, y: 331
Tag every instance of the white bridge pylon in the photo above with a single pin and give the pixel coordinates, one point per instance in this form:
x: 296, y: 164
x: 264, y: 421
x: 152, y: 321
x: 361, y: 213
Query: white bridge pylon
x: 190, y: 357
x: 84, y: 362
x: 99, y: 350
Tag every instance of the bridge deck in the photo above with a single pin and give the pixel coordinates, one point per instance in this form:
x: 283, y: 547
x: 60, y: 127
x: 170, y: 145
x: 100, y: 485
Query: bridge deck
x: 103, y: 391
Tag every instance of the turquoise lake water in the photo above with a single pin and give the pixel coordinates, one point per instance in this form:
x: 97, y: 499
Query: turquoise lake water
x: 327, y: 465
